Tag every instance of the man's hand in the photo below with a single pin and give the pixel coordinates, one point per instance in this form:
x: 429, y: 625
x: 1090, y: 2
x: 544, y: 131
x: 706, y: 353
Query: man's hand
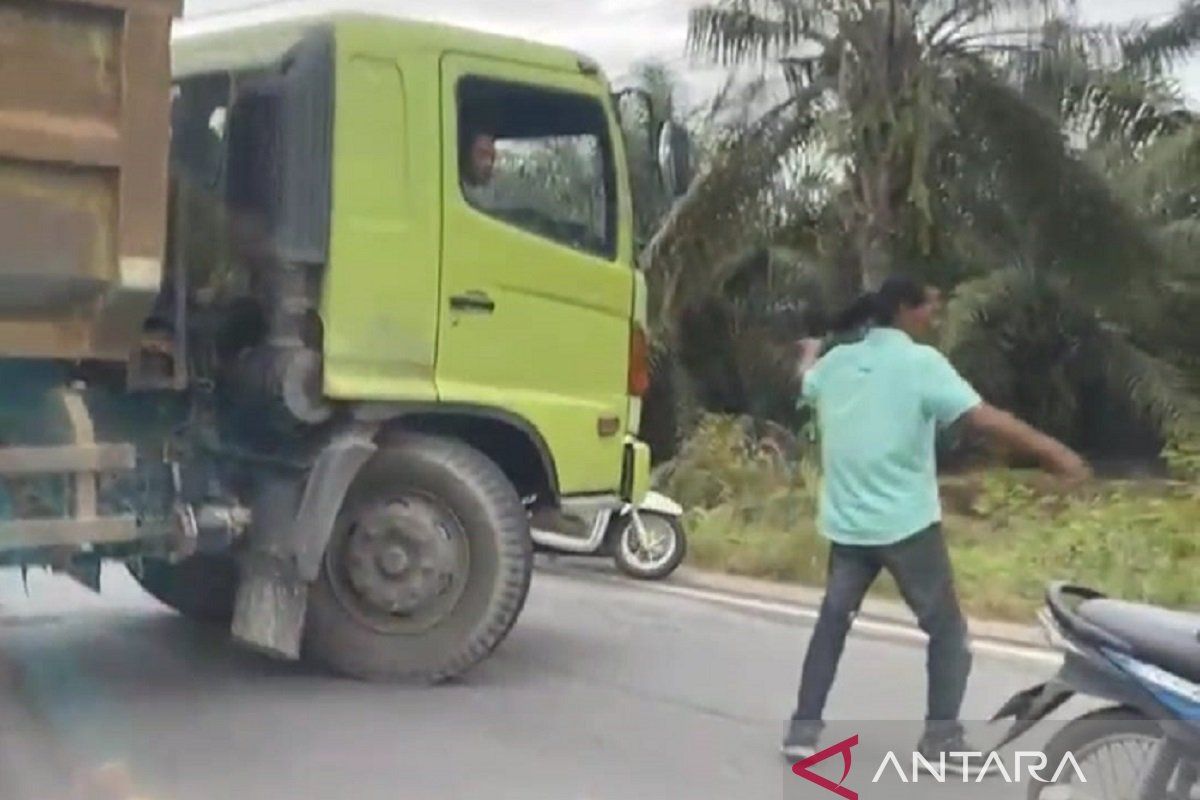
x: 810, y: 349
x: 1070, y: 466
x: 810, y: 352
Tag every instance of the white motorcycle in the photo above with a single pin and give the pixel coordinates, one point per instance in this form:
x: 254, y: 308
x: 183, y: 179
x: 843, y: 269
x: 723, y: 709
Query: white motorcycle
x: 647, y: 543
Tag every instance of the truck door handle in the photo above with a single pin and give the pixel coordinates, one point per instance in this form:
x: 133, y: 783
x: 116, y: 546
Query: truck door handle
x: 473, y: 301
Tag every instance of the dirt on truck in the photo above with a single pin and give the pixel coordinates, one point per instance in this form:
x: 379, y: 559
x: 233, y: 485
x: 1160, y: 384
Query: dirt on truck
x: 295, y: 325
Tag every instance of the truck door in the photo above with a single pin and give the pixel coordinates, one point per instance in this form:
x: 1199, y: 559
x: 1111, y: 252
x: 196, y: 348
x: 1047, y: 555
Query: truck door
x: 537, y: 284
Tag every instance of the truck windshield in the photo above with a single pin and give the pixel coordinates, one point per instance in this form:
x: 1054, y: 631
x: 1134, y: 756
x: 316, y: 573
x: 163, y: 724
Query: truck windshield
x: 540, y: 160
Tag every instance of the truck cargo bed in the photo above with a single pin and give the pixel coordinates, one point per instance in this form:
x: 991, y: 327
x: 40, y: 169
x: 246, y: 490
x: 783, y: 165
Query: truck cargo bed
x: 84, y: 133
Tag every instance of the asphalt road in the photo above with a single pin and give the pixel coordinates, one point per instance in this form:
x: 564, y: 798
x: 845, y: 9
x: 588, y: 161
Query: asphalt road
x: 604, y: 690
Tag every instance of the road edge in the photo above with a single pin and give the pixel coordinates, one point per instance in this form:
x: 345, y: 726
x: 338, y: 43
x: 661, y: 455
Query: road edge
x: 880, y: 609
x: 879, y: 619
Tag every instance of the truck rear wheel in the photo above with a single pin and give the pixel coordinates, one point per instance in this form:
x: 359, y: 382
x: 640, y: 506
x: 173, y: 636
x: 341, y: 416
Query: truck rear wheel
x: 201, y: 587
x: 427, y: 569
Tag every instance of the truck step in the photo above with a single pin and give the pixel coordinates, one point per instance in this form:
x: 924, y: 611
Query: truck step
x: 66, y: 458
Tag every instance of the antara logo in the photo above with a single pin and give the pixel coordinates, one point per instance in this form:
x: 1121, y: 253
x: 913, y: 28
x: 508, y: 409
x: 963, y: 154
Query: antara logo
x: 981, y: 767
x: 974, y: 765
x: 802, y: 768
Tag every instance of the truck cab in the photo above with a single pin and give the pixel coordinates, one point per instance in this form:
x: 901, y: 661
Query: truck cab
x: 506, y: 303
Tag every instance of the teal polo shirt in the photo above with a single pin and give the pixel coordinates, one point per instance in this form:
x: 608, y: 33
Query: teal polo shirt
x: 879, y: 403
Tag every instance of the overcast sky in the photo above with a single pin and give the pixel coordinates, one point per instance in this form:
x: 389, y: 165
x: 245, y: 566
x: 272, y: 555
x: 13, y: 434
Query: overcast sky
x: 617, y: 32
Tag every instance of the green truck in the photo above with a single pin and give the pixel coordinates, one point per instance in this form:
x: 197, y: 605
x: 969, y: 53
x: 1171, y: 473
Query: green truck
x: 303, y: 321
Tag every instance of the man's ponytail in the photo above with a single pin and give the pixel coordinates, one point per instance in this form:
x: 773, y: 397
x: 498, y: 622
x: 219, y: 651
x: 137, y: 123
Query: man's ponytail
x: 881, y: 307
x: 862, y: 312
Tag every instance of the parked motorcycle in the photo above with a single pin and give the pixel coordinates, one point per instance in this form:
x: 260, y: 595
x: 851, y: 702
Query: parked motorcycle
x: 1145, y: 662
x: 647, y: 543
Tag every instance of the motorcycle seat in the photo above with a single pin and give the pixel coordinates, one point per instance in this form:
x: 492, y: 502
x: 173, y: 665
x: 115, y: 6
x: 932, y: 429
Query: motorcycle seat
x: 1167, y: 639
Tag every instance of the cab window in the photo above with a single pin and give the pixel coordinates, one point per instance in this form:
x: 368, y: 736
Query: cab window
x: 539, y: 160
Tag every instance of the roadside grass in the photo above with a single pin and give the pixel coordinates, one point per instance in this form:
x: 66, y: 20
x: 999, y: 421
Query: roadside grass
x: 1010, y: 533
x: 1119, y: 541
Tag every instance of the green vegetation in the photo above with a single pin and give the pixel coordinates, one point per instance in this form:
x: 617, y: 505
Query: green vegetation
x: 1010, y: 533
x: 1039, y: 170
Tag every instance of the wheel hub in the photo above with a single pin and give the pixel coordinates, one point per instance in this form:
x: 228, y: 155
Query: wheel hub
x: 653, y: 548
x: 393, y: 561
x: 403, y: 556
x: 656, y: 545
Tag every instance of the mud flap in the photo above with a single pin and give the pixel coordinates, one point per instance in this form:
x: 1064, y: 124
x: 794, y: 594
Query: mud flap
x: 288, y: 543
x: 268, y: 615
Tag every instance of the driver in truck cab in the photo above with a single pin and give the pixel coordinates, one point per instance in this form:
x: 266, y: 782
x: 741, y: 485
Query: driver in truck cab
x: 478, y: 168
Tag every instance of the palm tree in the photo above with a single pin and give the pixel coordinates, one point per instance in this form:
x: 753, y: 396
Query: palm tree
x: 923, y: 103
x: 1155, y: 163
x: 957, y: 138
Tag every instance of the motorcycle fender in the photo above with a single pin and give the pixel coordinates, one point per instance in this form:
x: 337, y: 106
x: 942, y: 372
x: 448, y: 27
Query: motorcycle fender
x: 661, y: 504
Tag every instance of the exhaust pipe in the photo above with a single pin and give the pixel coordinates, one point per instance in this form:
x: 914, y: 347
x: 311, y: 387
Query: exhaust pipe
x: 573, y: 544
x: 598, y: 512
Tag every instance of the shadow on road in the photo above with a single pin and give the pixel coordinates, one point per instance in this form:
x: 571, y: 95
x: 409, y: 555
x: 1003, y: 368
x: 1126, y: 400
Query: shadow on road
x: 149, y: 651
x: 81, y: 691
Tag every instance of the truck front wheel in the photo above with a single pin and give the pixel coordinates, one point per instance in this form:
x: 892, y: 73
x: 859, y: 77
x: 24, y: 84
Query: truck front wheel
x: 427, y: 569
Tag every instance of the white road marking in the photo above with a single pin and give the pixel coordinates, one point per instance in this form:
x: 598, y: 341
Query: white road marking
x: 871, y: 627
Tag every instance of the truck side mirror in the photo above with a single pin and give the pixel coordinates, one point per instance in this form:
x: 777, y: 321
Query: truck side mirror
x: 675, y: 158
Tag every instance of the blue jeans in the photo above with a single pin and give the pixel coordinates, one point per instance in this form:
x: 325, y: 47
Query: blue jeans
x: 921, y: 568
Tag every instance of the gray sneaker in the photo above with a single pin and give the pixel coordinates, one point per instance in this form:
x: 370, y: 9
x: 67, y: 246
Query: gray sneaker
x: 937, y: 749
x: 801, y: 740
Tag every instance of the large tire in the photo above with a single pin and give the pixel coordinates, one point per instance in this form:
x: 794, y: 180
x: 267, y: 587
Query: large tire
x: 476, y: 513
x: 201, y: 587
x: 1080, y: 736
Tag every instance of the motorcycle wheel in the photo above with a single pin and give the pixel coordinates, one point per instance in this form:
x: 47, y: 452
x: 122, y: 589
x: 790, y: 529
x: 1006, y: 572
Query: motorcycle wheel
x: 1113, y: 746
x: 666, y: 550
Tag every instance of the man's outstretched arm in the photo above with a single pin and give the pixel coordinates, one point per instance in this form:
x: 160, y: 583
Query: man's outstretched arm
x: 1053, y: 455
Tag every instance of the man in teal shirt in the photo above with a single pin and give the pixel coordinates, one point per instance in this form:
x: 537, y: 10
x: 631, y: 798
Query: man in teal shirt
x: 879, y: 403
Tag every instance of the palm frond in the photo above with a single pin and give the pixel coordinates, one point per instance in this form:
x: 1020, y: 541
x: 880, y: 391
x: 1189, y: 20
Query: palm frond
x: 1078, y: 74
x: 735, y: 105
x: 723, y: 214
x: 1160, y: 47
x: 801, y: 72
x: 1008, y: 334
x: 1075, y: 223
x: 1028, y: 343
x: 741, y: 31
x: 1156, y: 390
x: 1164, y: 175
x: 968, y: 332
x: 1180, y: 240
x: 947, y: 19
x: 1125, y: 108
x: 1055, y: 62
